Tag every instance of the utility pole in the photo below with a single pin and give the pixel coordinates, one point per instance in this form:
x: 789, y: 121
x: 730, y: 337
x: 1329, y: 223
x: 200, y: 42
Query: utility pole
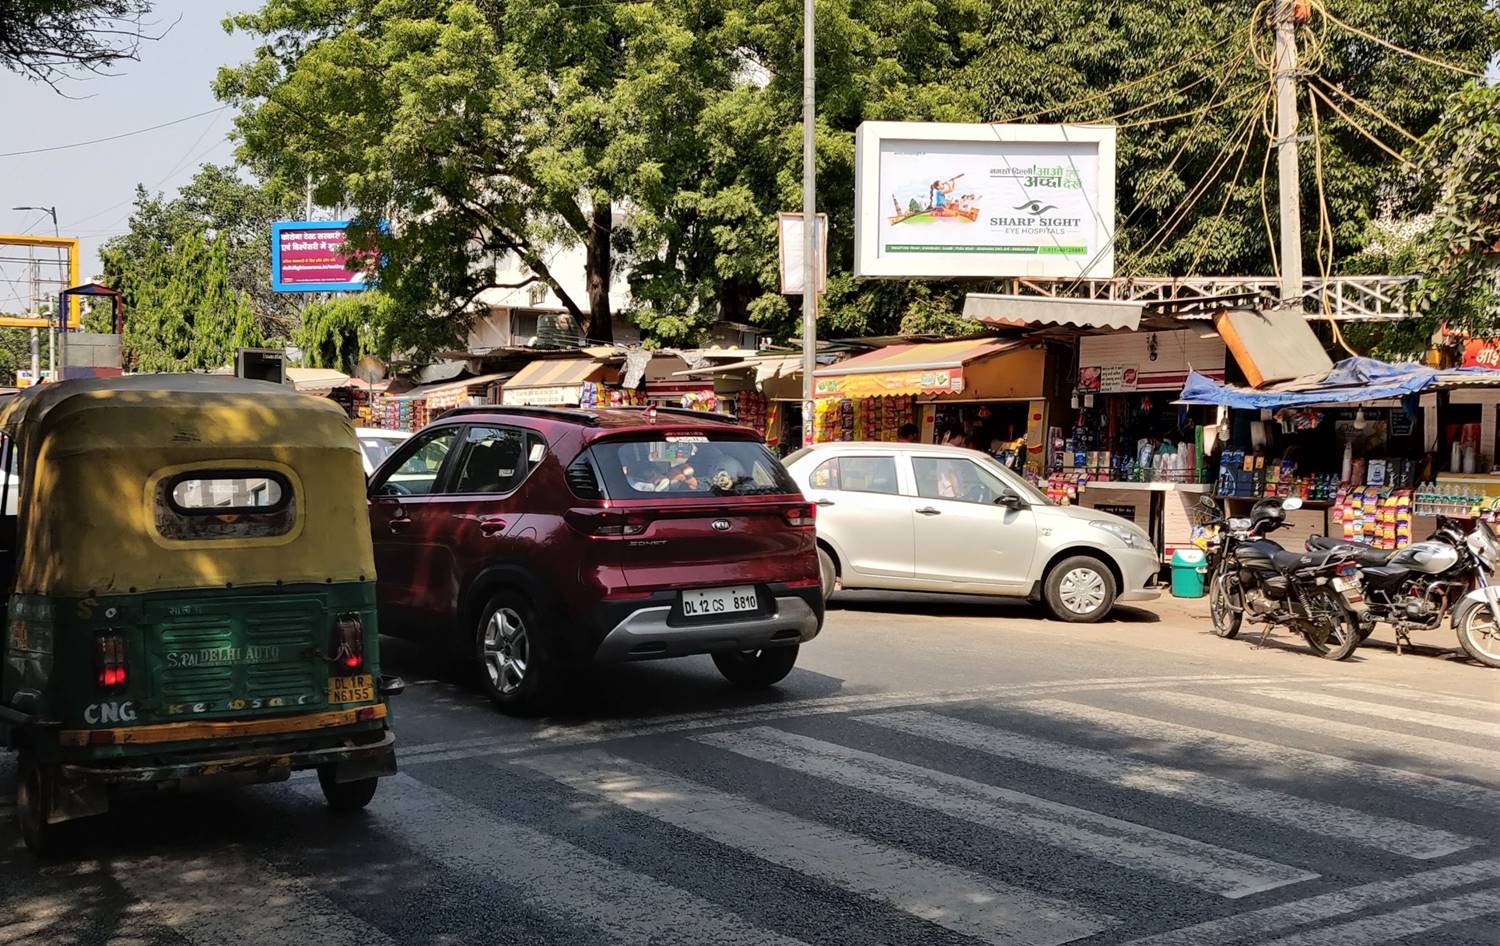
x: 36, y: 309
x: 1286, y: 152
x: 809, y: 227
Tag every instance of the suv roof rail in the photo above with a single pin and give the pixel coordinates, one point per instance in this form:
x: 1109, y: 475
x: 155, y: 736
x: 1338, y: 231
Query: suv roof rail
x: 683, y: 412
x: 562, y: 413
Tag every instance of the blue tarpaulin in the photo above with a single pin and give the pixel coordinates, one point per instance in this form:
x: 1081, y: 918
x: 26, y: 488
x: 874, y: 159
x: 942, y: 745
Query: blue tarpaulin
x: 1350, y: 381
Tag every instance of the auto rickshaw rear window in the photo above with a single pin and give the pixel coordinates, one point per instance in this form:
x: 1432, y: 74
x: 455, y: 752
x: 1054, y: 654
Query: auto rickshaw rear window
x: 210, y: 504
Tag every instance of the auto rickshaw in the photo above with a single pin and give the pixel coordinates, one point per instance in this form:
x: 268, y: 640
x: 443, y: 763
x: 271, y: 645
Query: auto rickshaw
x: 191, y: 594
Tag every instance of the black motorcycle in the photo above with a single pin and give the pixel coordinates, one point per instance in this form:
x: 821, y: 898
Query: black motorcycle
x: 1420, y: 587
x: 1316, y: 594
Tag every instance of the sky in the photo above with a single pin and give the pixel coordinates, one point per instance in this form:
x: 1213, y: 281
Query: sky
x: 93, y: 187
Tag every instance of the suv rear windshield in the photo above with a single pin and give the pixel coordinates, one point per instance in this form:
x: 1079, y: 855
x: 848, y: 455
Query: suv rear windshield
x: 688, y: 465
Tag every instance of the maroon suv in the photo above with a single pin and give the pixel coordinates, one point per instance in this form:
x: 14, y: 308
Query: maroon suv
x: 535, y: 540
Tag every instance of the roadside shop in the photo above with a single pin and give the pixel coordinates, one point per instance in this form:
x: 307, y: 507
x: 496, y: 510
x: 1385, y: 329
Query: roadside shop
x: 763, y: 392
x: 1131, y: 449
x: 570, y: 382
x: 1375, y: 451
x: 985, y: 393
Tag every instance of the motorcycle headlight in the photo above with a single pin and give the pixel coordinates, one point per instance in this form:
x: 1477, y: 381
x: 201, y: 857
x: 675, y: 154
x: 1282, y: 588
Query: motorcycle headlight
x: 1132, y: 537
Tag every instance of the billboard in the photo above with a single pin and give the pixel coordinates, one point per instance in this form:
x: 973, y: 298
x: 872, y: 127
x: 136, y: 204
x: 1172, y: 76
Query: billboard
x: 943, y: 200
x: 310, y: 256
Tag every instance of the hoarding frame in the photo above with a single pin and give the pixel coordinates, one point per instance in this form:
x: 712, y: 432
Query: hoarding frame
x: 278, y: 286
x: 869, y: 264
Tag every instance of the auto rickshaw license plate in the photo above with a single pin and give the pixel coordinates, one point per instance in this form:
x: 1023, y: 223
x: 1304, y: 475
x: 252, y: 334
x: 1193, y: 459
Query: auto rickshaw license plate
x: 356, y: 689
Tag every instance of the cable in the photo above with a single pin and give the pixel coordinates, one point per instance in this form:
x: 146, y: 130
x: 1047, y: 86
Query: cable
x: 1228, y: 193
x: 95, y: 141
x: 1156, y: 241
x: 1189, y: 137
x: 1325, y: 225
x: 1398, y: 49
x: 1115, y: 89
x: 1368, y: 109
x: 1167, y: 118
x: 1265, y: 213
x: 1360, y: 128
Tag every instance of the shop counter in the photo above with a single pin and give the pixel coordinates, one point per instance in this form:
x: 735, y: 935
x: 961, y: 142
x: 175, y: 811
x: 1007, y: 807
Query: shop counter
x: 1163, y: 509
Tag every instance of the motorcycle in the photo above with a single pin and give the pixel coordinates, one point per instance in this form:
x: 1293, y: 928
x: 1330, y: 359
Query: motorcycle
x: 1316, y: 594
x: 1418, y: 588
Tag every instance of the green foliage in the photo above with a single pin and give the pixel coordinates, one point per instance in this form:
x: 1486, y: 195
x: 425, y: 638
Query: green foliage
x: 15, y: 353
x: 336, y: 333
x: 185, y: 313
x: 220, y: 203
x: 484, y: 128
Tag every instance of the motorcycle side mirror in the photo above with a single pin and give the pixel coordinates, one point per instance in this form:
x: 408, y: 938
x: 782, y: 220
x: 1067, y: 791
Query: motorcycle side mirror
x: 1292, y: 503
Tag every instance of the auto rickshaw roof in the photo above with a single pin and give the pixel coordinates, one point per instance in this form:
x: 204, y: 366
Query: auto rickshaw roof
x: 43, y: 405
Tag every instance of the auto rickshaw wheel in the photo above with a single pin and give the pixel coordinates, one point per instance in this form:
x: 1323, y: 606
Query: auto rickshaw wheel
x: 345, y: 796
x: 32, y: 804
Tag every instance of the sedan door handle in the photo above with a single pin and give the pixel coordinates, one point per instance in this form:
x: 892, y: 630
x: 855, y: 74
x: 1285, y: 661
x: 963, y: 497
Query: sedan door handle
x: 491, y: 526
x: 929, y: 511
x: 825, y: 502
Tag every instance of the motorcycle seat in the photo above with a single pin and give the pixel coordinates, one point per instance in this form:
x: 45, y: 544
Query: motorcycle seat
x: 1292, y: 561
x: 1364, y: 553
x: 1384, y: 574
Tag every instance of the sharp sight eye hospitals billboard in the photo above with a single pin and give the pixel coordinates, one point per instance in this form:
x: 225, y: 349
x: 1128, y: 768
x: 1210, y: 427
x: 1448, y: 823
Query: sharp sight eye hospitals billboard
x: 941, y: 200
x: 310, y: 256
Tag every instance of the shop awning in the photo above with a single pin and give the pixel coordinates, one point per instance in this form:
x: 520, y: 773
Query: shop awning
x: 554, y: 381
x: 1351, y: 381
x: 448, y: 393
x: 935, y: 368
x: 316, y: 380
x: 1008, y: 311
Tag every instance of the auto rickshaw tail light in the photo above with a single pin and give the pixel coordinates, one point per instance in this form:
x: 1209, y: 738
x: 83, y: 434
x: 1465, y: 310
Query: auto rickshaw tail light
x: 109, y: 660
x: 349, y: 643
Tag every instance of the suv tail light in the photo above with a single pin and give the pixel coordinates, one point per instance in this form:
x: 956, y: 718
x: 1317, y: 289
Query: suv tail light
x: 109, y: 660
x: 802, y: 517
x: 607, y: 523
x: 348, y: 644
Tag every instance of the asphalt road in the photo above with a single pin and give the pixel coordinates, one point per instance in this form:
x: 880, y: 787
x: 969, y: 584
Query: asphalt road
x: 934, y: 772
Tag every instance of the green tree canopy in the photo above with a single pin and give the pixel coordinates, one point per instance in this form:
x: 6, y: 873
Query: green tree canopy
x: 489, y: 127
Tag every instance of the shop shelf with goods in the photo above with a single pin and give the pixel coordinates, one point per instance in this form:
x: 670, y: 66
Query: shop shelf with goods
x: 865, y: 418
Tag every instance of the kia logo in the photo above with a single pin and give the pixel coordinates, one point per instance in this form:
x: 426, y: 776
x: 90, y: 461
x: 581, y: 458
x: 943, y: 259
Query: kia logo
x: 720, y: 525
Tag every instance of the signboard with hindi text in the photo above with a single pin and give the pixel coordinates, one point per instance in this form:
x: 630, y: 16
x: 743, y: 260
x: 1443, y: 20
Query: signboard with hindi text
x: 313, y: 256
x: 944, y: 200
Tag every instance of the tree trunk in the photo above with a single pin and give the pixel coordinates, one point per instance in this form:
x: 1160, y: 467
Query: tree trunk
x: 600, y: 327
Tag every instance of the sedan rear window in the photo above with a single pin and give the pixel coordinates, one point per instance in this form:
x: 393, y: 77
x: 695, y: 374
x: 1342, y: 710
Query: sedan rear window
x: 688, y: 465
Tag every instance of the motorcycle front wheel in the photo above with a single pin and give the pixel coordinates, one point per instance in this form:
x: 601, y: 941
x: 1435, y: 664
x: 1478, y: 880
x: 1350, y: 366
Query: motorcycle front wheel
x: 1343, y: 632
x: 1226, y: 604
x: 1479, y: 636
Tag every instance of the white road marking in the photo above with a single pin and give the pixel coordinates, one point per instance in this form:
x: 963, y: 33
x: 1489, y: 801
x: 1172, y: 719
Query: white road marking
x: 1491, y: 707
x: 1399, y: 924
x: 1279, y: 808
x: 232, y: 897
x: 1122, y: 843
x: 951, y: 897
x: 1256, y: 752
x: 1370, y: 736
x: 1327, y: 906
x: 547, y: 737
x: 1361, y: 709
x: 549, y: 875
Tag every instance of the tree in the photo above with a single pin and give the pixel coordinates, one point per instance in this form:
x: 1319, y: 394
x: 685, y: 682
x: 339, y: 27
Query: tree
x: 1448, y: 231
x: 185, y: 315
x: 217, y: 202
x: 337, y: 332
x: 48, y: 40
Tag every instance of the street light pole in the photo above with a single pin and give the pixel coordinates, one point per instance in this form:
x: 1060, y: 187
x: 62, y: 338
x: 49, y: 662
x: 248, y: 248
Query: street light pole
x: 809, y: 226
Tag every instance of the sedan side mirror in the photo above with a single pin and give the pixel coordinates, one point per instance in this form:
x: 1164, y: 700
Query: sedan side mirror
x: 1011, y: 501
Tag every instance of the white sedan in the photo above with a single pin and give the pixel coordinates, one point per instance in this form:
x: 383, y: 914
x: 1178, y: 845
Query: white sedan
x: 920, y: 517
x: 377, y: 444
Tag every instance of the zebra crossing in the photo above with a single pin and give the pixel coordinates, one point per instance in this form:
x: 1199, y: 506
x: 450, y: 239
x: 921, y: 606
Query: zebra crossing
x: 1093, y: 812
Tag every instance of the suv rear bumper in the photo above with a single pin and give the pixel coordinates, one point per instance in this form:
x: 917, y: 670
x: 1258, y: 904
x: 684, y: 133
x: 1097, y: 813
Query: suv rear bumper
x: 647, y: 629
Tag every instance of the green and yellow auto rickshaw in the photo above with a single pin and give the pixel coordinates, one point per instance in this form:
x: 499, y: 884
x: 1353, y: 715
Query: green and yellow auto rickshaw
x: 191, y: 594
